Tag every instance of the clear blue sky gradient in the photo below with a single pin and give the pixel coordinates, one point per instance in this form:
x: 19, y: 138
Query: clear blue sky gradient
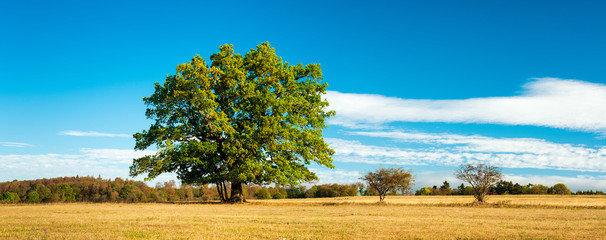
x: 85, y: 66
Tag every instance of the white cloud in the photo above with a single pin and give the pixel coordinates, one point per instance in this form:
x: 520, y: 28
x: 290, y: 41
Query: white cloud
x: 476, y: 143
x: 435, y: 178
x: 453, y: 150
x: 355, y: 151
x: 124, y: 156
x: 92, y: 134
x: 548, y: 102
x: 106, y: 162
x: 336, y: 176
x: 14, y: 144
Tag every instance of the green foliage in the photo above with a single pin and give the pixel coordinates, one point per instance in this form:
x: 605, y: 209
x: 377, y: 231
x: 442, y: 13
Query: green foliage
x: 370, y: 192
x: 263, y: 193
x: 88, y: 189
x: 32, y: 197
x: 44, y: 192
x: 508, y: 187
x: 539, y: 189
x: 423, y: 191
x: 241, y: 119
x: 132, y: 193
x: 589, y: 192
x: 279, y: 195
x: 445, y: 185
x: 505, y: 187
x: 324, y: 191
x: 10, y: 197
x: 299, y: 191
x: 332, y: 190
x: 561, y: 189
x: 468, y: 191
x: 66, y: 193
x: 296, y: 191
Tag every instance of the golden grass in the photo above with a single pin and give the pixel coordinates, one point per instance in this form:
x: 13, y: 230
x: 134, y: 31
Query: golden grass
x: 541, y: 201
x: 338, y: 218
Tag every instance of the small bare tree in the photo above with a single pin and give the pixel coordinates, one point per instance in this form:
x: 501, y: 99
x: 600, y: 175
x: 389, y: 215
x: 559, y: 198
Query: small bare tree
x: 388, y: 180
x: 480, y: 177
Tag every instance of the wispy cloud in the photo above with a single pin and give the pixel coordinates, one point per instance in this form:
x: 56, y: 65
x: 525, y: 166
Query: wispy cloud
x: 14, y: 144
x: 453, y: 150
x: 548, y: 102
x: 92, y: 134
x: 355, y: 151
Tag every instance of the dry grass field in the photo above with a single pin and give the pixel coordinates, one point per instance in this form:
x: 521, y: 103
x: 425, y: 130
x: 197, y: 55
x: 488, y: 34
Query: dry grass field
x: 414, y: 217
x: 563, y: 201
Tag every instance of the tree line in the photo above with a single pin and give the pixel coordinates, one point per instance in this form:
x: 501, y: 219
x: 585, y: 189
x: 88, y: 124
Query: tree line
x: 97, y: 189
x: 504, y: 188
x: 91, y: 189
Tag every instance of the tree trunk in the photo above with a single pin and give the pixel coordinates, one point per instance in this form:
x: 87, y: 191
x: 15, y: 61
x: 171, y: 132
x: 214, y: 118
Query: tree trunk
x: 237, y: 195
x: 222, y: 189
x: 481, y: 197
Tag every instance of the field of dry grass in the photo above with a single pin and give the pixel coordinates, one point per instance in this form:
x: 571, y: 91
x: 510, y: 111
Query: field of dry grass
x: 432, y: 217
x: 562, y: 201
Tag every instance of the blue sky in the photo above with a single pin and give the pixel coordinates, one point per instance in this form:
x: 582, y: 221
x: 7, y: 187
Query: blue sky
x: 425, y: 86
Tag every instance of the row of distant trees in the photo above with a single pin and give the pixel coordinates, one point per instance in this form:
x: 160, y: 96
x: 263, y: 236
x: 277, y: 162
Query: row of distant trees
x: 91, y: 189
x: 504, y: 188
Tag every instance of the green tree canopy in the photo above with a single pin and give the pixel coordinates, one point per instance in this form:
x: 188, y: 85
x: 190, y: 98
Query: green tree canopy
x: 241, y: 119
x: 10, y: 197
x: 561, y: 189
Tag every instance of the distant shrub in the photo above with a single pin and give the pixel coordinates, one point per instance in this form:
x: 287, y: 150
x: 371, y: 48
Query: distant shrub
x: 263, y: 193
x: 423, y: 191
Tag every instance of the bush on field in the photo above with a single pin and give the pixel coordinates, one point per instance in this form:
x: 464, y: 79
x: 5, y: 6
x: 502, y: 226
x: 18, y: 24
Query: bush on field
x: 263, y: 193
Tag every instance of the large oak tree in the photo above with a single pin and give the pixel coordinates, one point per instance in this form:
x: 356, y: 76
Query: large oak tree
x: 239, y: 119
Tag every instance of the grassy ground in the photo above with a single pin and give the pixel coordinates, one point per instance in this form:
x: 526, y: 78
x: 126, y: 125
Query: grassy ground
x: 561, y: 201
x: 540, y: 217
